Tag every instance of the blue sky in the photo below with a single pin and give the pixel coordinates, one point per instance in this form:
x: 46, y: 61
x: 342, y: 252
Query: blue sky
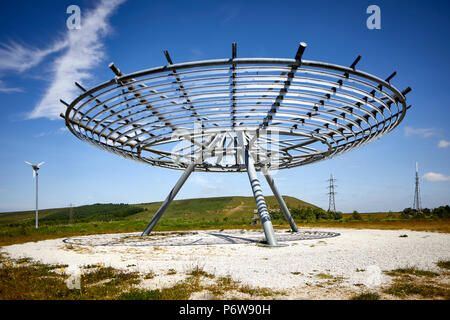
x: 39, y: 63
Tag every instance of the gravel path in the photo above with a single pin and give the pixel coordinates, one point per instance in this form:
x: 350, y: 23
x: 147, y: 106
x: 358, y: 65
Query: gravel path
x: 350, y: 259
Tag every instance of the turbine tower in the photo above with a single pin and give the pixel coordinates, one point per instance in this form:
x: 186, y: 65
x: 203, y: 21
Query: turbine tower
x: 35, y: 175
x: 331, y: 202
x: 417, y: 203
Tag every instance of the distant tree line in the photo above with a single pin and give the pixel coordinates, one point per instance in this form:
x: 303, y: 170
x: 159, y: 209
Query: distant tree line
x: 442, y: 212
x: 95, y: 212
x: 308, y: 214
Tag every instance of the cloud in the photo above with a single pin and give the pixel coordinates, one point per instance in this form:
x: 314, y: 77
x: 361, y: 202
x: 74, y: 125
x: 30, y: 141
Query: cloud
x: 85, y: 50
x: 208, y: 185
x: 422, y: 132
x: 51, y: 132
x: 5, y: 89
x: 20, y: 57
x: 444, y: 144
x: 435, y: 177
x: 196, y: 54
x: 229, y: 12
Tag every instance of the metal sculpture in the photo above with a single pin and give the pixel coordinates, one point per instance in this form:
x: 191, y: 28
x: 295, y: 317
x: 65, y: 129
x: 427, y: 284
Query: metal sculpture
x: 236, y: 115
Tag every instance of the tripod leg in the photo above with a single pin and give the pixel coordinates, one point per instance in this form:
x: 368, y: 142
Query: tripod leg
x: 169, y: 199
x: 280, y: 200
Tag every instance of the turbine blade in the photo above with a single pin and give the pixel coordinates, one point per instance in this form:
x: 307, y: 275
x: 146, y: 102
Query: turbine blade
x: 28, y: 163
x: 34, y: 173
x: 40, y: 164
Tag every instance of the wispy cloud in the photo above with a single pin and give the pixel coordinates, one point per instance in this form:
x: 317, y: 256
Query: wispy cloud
x: 422, y: 132
x: 21, y: 57
x: 435, y: 177
x: 229, y: 12
x: 85, y: 50
x: 209, y: 185
x: 196, y: 53
x: 5, y: 89
x: 51, y: 132
x: 444, y: 144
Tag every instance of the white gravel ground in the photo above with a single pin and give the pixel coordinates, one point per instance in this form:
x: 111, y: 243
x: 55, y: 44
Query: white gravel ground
x: 355, y: 257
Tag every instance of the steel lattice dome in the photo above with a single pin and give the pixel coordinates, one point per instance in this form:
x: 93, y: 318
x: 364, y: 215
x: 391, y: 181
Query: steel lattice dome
x: 291, y: 112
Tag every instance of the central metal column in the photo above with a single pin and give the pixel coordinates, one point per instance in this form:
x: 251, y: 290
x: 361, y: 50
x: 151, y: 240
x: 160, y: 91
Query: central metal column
x: 259, y: 198
x: 257, y: 192
x: 169, y: 199
x: 280, y: 200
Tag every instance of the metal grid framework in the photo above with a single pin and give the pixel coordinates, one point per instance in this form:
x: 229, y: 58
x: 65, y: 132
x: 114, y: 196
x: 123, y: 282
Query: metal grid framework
x: 237, y: 114
x: 290, y: 112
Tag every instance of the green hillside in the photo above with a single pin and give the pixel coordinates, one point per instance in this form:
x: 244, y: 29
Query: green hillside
x: 233, y: 208
x: 202, y: 209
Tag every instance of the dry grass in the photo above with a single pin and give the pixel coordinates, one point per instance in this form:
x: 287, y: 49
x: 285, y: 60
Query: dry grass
x: 16, y: 235
x: 413, y: 283
x: 366, y: 296
x: 411, y: 224
x: 28, y: 280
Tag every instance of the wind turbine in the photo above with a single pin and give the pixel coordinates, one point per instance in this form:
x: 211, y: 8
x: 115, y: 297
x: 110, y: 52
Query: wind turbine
x: 35, y: 174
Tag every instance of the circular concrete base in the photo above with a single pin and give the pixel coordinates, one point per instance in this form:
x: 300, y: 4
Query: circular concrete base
x: 203, y: 237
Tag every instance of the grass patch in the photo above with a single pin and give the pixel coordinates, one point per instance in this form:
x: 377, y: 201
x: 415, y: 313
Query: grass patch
x: 411, y: 281
x: 149, y: 275
x: 199, y: 272
x: 404, y: 289
x: 27, y: 280
x: 140, y: 294
x: 411, y: 271
x: 264, y: 292
x: 444, y: 264
x: 324, y: 276
x: 366, y: 296
x: 171, y: 272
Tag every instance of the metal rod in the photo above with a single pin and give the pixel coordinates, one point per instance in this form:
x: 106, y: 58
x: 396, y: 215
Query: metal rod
x: 300, y: 51
x: 169, y: 199
x: 353, y: 65
x: 280, y: 200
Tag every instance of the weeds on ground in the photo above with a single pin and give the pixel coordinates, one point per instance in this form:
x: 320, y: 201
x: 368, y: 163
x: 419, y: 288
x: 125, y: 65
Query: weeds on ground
x: 444, y: 264
x: 182, y: 290
x: 411, y: 271
x: 366, y: 296
x: 149, y: 275
x: 26, y: 280
x: 410, y: 282
x: 405, y: 289
x: 171, y: 272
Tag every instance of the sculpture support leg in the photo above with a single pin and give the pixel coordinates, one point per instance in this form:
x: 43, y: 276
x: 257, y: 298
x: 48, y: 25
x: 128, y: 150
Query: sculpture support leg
x: 280, y: 200
x: 259, y: 198
x: 169, y: 199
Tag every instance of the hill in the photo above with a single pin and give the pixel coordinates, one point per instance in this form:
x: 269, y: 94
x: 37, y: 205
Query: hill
x: 230, y: 208
x: 233, y: 208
